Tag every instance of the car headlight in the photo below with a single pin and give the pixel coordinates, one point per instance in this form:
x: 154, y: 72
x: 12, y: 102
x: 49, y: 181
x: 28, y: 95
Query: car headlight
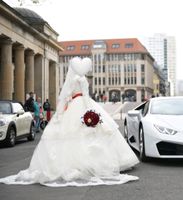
x: 2, y: 123
x: 165, y: 130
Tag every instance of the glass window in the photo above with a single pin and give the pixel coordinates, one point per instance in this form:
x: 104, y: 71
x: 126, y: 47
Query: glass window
x: 99, y: 81
x: 109, y: 81
x: 128, y: 45
x: 167, y: 106
x: 95, y: 81
x: 84, y: 47
x: 142, y: 68
x: 135, y: 80
x: 135, y: 68
x: 115, y: 46
x: 145, y: 109
x: 124, y: 68
x: 70, y: 48
x: 125, y: 81
x: 103, y: 81
x: 142, y: 56
x: 5, y: 107
x: 17, y: 107
x: 103, y: 68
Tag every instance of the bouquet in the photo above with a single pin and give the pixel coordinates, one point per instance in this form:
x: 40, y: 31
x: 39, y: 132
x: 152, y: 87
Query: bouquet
x: 91, y: 118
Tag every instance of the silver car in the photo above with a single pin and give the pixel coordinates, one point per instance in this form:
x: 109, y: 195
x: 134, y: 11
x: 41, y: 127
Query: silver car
x: 15, y: 123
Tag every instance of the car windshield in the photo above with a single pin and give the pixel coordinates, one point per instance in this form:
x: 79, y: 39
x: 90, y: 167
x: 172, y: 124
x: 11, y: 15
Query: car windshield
x: 5, y: 108
x: 167, y: 107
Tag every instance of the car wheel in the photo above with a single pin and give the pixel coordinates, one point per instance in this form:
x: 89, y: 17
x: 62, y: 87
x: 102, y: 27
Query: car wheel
x: 142, y: 155
x: 31, y: 136
x: 11, y: 137
x: 43, y: 124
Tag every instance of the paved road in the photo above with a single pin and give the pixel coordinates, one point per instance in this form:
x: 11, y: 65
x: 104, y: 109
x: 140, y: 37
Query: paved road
x: 158, y: 180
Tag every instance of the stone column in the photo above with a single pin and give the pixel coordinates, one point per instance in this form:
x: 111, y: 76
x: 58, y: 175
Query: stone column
x: 138, y: 95
x: 6, y: 70
x: 46, y: 78
x: 29, y: 72
x: 52, y: 84
x: 19, y: 83
x: 38, y: 76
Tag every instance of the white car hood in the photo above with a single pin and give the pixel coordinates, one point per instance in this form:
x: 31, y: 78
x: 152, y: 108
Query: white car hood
x: 7, y: 117
x: 174, y: 122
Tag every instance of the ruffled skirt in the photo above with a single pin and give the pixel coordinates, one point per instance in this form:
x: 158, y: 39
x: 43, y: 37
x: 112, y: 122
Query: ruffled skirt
x: 70, y: 153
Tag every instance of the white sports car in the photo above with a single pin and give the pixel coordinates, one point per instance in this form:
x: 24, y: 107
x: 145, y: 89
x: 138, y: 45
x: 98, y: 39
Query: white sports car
x: 15, y: 123
x: 155, y: 128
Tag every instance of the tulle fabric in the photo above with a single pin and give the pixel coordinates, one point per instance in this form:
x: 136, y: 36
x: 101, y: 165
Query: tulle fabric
x: 72, y: 154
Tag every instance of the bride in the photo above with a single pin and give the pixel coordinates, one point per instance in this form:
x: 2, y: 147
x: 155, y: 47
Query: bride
x: 81, y: 145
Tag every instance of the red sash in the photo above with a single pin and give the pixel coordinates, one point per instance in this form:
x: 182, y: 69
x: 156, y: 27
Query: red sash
x: 77, y: 95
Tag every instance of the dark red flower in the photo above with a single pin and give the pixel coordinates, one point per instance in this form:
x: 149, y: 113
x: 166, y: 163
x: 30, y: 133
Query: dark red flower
x: 91, y: 118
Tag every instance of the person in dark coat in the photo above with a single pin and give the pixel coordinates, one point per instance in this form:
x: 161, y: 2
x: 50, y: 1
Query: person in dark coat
x: 29, y: 104
x: 47, y: 109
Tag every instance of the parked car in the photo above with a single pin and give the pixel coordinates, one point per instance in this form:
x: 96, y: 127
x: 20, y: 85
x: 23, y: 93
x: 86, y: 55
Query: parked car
x: 155, y: 128
x: 15, y: 123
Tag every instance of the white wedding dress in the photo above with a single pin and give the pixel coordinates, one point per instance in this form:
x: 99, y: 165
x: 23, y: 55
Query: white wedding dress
x: 72, y: 154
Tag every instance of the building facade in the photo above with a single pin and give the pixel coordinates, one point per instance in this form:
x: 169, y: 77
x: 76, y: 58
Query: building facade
x: 122, y: 68
x: 163, y: 49
x: 29, y: 56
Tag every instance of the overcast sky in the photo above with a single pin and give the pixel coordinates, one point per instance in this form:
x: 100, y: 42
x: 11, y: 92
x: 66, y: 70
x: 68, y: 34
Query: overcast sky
x: 108, y: 19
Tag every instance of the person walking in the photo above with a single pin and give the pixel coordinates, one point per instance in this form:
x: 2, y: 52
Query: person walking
x: 37, y: 112
x: 47, y: 109
x: 29, y: 103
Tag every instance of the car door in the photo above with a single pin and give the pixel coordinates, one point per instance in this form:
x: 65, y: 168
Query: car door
x: 134, y: 117
x: 19, y: 118
x: 144, y: 112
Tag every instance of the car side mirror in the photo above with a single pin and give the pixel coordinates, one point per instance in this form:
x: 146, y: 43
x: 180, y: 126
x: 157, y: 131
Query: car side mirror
x: 20, y: 112
x: 134, y: 113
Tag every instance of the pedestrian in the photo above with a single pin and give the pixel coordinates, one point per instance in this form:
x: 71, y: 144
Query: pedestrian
x: 123, y: 97
x: 81, y: 145
x: 37, y: 113
x: 104, y: 98
x: 47, y: 109
x: 29, y: 103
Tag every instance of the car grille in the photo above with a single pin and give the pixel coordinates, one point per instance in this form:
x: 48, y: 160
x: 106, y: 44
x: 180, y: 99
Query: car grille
x: 166, y: 148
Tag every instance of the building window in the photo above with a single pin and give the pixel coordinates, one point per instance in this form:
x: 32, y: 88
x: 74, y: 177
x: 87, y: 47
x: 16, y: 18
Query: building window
x: 125, y: 81
x: 128, y: 80
x: 70, y: 48
x: 99, y: 69
x: 119, y: 68
x: 95, y: 81
x: 109, y: 81
x: 99, y: 81
x: 115, y: 46
x: 103, y: 68
x: 142, y: 68
x: 95, y: 67
x: 132, y: 80
x: 116, y: 81
x: 135, y: 68
x: 128, y: 45
x: 142, y: 57
x: 124, y: 68
x: 84, y: 47
x: 103, y: 81
x: 142, y: 80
